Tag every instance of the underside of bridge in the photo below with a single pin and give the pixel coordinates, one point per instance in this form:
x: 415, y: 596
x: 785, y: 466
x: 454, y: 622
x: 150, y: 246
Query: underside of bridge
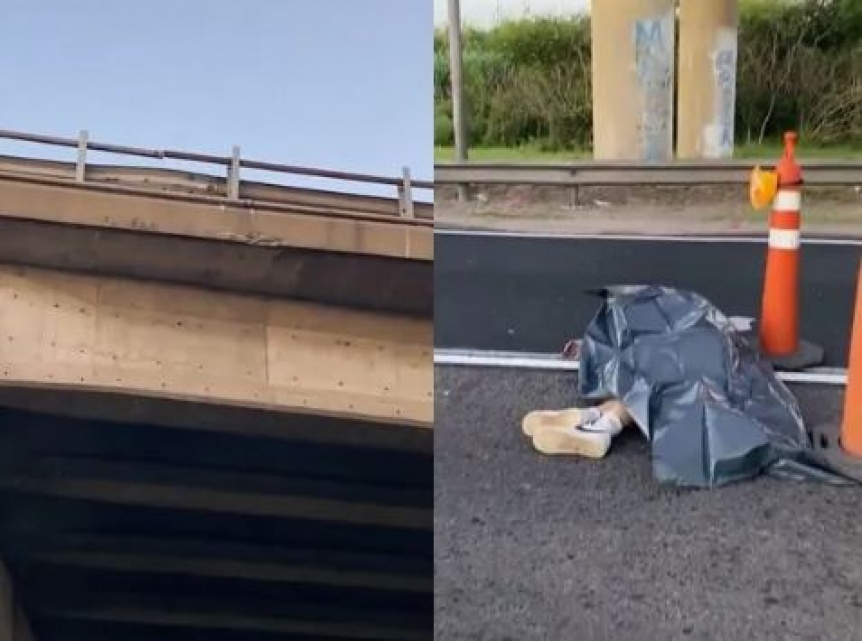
x: 135, y: 530
x: 206, y: 436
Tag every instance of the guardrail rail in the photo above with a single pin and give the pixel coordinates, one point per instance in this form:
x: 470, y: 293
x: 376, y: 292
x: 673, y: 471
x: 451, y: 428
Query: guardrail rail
x: 817, y: 173
x: 233, y: 186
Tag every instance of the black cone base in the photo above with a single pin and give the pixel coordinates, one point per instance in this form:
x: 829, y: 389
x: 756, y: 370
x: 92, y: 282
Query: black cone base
x: 806, y: 355
x: 827, y: 445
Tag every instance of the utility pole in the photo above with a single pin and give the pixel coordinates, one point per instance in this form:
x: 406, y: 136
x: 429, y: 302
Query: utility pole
x: 456, y: 77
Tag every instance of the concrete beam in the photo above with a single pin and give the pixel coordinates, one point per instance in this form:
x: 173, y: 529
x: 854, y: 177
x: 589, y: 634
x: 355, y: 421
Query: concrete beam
x: 372, y: 283
x: 244, y: 503
x: 14, y: 625
x: 185, y: 182
x: 135, y: 554
x: 212, y: 217
x: 265, y: 571
x: 299, y: 626
x: 118, y: 407
x: 88, y: 333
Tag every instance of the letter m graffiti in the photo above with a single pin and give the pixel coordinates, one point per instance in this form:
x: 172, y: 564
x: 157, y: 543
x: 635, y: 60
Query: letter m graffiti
x: 648, y: 34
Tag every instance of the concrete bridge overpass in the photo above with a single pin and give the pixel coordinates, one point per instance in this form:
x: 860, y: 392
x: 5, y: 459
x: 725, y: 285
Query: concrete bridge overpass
x: 215, y: 409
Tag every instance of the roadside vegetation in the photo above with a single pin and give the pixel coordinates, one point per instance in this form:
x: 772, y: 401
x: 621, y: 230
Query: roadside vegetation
x: 527, y: 83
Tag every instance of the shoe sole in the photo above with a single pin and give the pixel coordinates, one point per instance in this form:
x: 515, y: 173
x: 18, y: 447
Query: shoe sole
x: 557, y: 441
x: 542, y: 419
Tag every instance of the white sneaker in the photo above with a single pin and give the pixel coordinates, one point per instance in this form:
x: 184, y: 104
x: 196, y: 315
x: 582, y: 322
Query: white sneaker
x: 571, y: 417
x: 572, y: 441
x: 592, y: 440
x: 608, y: 423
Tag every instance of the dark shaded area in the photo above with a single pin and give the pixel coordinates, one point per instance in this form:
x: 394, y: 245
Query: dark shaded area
x: 125, y: 531
x: 63, y: 630
x: 228, y: 419
x: 532, y: 547
x: 530, y: 294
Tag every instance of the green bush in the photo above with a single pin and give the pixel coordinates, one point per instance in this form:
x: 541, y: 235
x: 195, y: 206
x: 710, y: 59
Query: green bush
x: 443, y: 128
x: 528, y: 82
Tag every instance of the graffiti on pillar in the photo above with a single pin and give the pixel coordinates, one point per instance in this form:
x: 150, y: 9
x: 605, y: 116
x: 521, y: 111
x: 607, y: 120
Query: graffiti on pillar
x: 654, y: 47
x: 720, y: 133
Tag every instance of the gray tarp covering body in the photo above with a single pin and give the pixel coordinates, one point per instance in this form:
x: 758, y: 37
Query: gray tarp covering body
x: 713, y: 410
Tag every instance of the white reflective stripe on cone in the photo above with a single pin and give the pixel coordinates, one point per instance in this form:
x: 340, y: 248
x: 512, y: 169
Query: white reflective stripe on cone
x: 784, y: 238
x: 788, y: 201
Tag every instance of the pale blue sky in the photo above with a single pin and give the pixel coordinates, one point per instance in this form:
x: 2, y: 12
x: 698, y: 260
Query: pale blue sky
x: 338, y: 84
x: 485, y: 13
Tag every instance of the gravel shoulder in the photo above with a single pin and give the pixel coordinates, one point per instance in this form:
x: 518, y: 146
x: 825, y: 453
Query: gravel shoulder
x: 639, y: 210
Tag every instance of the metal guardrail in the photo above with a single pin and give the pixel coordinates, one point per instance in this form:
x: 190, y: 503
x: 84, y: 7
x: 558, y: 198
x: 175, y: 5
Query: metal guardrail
x: 233, y: 164
x: 602, y: 174
x: 185, y: 183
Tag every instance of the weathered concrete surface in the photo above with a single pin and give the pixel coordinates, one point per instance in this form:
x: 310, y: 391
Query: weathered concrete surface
x: 706, y: 83
x: 633, y: 70
x: 530, y: 548
x: 375, y: 283
x: 185, y: 182
x: 242, y: 385
x: 120, y: 207
x: 332, y: 256
x: 102, y: 334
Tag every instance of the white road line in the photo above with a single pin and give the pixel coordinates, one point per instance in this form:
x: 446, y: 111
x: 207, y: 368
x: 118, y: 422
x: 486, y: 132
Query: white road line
x: 517, y: 360
x: 542, y: 361
x: 478, y: 233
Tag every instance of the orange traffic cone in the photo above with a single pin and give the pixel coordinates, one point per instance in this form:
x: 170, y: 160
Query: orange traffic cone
x: 851, y: 425
x: 779, y: 319
x: 841, y: 446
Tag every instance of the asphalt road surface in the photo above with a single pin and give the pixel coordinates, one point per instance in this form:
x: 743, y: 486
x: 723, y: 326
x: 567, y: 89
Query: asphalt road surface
x: 529, y: 293
x: 536, y: 548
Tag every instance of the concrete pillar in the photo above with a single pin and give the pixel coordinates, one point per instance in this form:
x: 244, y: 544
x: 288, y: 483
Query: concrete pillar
x: 633, y: 72
x: 707, y: 78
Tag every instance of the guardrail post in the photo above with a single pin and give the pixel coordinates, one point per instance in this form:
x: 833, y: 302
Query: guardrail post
x: 405, y: 194
x: 233, y: 174
x: 81, y: 164
x: 574, y: 197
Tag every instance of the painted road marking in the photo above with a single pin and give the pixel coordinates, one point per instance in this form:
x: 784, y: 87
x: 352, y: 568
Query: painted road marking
x: 850, y: 242
x: 543, y: 361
